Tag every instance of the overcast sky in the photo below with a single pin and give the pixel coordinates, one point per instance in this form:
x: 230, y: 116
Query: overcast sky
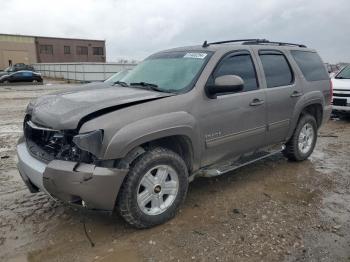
x: 135, y: 28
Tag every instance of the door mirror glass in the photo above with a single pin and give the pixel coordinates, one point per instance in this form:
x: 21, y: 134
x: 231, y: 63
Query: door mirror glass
x: 225, y: 84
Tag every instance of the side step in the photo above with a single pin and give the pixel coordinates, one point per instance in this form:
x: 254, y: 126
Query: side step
x: 242, y: 161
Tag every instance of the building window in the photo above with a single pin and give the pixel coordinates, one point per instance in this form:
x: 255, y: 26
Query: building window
x: 97, y: 50
x: 66, y: 50
x: 46, y: 49
x: 82, y: 50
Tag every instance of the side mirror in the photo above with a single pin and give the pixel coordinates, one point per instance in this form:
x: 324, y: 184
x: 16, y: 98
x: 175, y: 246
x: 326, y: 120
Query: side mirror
x: 225, y: 84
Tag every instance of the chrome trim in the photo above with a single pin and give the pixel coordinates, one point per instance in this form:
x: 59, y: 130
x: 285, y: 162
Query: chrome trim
x: 341, y: 108
x: 279, y: 124
x: 213, y: 142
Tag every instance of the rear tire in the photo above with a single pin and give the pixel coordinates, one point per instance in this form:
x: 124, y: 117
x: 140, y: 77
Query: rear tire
x: 154, y: 188
x: 303, y: 141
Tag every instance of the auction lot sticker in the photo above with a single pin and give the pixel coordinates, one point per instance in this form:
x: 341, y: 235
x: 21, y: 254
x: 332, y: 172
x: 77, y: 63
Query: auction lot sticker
x: 195, y: 55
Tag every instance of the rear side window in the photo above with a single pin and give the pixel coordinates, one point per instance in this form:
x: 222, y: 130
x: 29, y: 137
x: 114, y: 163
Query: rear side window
x: 310, y: 65
x: 240, y: 65
x: 277, y: 69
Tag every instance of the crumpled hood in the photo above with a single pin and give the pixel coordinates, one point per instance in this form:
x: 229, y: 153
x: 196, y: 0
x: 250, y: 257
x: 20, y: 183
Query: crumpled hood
x: 64, y: 110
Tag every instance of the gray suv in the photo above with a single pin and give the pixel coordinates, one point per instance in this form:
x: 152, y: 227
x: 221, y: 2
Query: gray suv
x: 182, y: 113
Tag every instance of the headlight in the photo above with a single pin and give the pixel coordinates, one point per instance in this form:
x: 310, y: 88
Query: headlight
x: 91, y: 141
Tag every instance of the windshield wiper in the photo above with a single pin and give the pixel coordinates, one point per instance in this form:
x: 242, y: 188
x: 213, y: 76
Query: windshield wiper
x: 121, y: 83
x: 149, y: 85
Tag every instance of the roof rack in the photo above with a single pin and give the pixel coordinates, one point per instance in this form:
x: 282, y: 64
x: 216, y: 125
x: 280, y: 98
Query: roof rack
x: 206, y: 44
x: 264, y: 41
x: 252, y: 42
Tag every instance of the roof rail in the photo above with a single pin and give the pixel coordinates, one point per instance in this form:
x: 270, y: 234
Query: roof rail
x: 271, y: 43
x: 251, y: 42
x: 206, y: 44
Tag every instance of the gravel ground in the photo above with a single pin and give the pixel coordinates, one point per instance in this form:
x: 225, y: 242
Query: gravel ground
x: 273, y: 210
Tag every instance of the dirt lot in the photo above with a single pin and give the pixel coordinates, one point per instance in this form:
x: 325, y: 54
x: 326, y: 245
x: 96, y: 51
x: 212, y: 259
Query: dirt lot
x: 274, y: 210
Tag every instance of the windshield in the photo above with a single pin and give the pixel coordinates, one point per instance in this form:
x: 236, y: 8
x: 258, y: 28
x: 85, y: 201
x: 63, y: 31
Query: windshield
x: 169, y: 71
x: 344, y: 74
x: 116, y: 77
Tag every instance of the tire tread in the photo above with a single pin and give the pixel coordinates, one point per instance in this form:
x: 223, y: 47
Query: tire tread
x: 291, y: 151
x: 127, y: 207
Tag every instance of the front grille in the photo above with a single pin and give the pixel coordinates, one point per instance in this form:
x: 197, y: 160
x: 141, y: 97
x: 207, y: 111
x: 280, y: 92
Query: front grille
x: 48, y: 144
x: 341, y: 90
x: 339, y: 102
x: 341, y: 95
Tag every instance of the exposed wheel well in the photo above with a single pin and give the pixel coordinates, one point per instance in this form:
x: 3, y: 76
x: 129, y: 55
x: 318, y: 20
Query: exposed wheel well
x: 316, y: 111
x: 179, y: 144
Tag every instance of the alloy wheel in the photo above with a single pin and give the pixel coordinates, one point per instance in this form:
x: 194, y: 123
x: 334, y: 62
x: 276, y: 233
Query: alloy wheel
x: 157, y: 190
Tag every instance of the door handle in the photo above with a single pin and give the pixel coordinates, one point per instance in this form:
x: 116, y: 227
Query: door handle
x: 296, y: 94
x: 256, y: 102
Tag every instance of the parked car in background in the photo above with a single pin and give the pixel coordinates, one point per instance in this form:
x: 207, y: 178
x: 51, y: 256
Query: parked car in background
x: 21, y: 76
x: 7, y: 71
x: 117, y: 76
x: 22, y: 66
x: 17, y: 67
x: 331, y: 68
x: 341, y: 91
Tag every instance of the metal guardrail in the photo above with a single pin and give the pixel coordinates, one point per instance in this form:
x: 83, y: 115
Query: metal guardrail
x: 85, y: 72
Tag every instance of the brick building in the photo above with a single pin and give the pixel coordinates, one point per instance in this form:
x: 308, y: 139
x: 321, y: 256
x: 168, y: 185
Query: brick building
x: 36, y: 49
x: 17, y: 49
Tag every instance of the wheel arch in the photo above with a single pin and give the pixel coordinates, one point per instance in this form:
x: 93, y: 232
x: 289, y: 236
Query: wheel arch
x: 175, y: 131
x: 180, y: 144
x: 313, y: 107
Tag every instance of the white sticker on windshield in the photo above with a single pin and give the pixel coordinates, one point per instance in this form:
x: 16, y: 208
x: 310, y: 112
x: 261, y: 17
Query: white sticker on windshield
x: 195, y: 55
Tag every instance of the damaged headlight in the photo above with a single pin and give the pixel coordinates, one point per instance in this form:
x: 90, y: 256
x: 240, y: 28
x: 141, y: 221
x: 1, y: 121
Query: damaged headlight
x: 90, y: 142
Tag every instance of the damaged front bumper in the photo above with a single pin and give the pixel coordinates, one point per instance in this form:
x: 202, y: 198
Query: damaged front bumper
x: 72, y: 182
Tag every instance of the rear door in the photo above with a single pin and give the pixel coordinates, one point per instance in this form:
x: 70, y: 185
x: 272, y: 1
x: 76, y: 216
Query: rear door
x: 282, y: 93
x: 27, y: 76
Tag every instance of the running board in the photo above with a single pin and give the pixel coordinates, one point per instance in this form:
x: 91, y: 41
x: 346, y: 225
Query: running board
x: 242, y: 161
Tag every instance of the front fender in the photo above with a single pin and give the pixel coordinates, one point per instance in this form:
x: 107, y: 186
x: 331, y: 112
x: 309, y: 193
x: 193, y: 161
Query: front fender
x: 152, y: 128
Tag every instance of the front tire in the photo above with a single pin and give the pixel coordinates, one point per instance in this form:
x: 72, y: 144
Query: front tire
x: 302, y: 143
x: 154, y: 188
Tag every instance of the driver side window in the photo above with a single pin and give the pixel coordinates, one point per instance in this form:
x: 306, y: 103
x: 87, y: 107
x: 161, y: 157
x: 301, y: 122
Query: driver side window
x: 240, y: 64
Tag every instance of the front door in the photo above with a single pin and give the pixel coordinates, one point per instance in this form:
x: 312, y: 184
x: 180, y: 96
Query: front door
x: 234, y: 124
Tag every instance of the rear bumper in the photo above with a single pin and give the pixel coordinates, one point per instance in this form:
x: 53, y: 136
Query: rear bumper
x: 72, y: 182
